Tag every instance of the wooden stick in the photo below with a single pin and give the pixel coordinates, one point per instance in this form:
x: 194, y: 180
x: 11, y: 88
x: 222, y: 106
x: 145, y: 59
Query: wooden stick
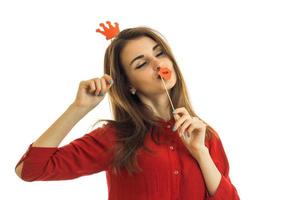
x: 110, y: 66
x: 167, y: 92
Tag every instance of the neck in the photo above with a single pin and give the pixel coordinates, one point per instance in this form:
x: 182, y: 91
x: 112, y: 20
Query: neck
x: 160, y: 105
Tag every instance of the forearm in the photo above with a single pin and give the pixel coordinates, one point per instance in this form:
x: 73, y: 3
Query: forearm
x: 53, y: 136
x: 210, y: 172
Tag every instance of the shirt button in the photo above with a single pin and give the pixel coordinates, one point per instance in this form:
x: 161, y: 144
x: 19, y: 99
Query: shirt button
x: 176, y: 172
x: 172, y: 148
x: 169, y: 126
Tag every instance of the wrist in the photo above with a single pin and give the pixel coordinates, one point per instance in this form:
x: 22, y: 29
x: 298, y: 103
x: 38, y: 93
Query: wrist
x: 75, y: 106
x: 81, y: 110
x: 202, y: 152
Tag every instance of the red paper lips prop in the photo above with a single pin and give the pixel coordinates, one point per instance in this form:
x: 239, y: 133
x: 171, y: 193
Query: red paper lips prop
x: 165, y: 73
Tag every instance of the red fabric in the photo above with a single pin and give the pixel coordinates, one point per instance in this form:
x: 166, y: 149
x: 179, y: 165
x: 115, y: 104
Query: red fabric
x: 169, y: 174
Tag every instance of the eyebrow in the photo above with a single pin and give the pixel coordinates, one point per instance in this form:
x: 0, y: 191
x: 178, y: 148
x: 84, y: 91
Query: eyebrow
x: 141, y: 56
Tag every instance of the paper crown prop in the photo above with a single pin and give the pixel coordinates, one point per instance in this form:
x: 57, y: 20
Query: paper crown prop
x: 110, y: 31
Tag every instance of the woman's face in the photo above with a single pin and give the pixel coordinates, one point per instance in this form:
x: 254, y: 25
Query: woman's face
x: 141, y: 58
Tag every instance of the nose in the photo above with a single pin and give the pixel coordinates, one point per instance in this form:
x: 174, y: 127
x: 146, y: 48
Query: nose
x: 156, y: 64
x: 156, y: 67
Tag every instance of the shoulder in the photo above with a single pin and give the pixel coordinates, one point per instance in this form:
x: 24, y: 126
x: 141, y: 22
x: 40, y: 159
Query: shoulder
x: 105, y: 132
x: 213, y: 140
x: 212, y: 135
x: 216, y: 149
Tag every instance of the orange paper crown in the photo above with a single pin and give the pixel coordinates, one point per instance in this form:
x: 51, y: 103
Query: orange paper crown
x: 109, y: 32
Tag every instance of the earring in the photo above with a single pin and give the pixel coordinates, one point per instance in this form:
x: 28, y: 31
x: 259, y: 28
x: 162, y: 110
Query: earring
x: 133, y: 91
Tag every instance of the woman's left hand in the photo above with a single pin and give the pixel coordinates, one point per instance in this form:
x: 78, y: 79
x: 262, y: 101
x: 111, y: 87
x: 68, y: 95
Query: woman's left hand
x: 191, y: 130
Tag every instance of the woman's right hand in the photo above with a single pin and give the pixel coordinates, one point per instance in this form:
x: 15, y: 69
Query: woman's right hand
x: 91, y: 92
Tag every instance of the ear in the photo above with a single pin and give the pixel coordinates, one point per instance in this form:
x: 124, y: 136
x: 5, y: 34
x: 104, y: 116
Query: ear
x: 130, y: 87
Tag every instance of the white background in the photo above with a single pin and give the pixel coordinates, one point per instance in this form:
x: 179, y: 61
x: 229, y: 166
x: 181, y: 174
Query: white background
x: 240, y: 60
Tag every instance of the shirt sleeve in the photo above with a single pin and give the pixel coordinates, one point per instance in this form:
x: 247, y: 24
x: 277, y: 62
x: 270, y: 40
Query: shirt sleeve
x: 226, y: 190
x: 86, y: 155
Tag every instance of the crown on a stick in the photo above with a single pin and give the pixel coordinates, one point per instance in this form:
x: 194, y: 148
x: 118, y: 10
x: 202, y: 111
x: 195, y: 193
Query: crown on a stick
x: 110, y: 31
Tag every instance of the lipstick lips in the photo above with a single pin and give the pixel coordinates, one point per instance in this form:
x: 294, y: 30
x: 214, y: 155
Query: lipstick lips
x: 165, y: 73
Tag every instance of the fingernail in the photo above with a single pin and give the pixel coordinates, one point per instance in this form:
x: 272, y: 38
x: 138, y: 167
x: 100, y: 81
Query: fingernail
x: 174, y: 128
x: 111, y: 82
x: 101, y: 94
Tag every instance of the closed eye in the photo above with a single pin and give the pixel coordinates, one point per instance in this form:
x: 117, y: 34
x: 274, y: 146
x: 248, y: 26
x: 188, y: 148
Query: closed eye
x: 160, y: 53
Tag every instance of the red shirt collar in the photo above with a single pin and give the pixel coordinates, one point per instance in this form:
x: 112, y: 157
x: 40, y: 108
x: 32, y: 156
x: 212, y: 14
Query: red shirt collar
x: 166, y: 122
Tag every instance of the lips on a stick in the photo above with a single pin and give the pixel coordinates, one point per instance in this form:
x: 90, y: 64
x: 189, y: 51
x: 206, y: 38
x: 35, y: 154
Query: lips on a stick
x: 165, y: 74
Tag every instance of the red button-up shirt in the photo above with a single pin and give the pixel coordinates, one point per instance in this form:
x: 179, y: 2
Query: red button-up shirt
x: 169, y: 174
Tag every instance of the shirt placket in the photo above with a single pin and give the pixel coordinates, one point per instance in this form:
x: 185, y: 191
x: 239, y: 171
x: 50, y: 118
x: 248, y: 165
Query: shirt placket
x: 175, y: 168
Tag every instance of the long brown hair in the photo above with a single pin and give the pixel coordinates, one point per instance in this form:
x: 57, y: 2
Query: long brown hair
x: 132, y: 118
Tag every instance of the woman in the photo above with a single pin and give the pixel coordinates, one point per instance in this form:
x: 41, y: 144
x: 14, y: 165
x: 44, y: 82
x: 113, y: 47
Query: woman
x: 148, y: 151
